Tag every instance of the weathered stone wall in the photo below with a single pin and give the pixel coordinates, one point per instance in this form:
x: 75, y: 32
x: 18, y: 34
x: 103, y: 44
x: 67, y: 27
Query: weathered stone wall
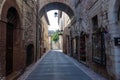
x: 2, y: 51
x: 114, y: 31
x: 107, y: 15
x: 1, y: 4
x: 107, y: 11
x: 1, y: 45
x: 45, y: 43
x: 25, y: 34
x: 86, y: 10
x: 17, y: 46
x: 29, y: 23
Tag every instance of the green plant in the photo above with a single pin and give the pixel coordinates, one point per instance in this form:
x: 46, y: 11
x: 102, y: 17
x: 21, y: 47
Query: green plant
x: 55, y: 36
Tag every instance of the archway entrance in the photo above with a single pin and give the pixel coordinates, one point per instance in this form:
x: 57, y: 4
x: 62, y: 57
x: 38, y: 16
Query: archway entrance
x: 29, y: 54
x: 12, y: 17
x: 62, y: 10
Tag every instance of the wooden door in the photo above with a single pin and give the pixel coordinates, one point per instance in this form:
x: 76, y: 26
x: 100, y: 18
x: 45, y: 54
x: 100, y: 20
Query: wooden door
x: 9, y: 49
x: 30, y: 54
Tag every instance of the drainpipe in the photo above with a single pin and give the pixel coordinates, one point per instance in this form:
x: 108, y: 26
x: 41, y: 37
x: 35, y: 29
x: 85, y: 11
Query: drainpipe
x: 36, y: 30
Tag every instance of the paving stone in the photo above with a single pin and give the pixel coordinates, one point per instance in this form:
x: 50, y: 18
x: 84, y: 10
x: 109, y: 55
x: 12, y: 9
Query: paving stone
x: 56, y: 66
x: 59, y: 67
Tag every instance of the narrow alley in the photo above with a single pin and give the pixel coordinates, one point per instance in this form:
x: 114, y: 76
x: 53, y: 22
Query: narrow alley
x: 57, y: 66
x: 33, y: 31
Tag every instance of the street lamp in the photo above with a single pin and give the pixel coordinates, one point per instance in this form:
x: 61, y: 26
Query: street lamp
x: 55, y: 14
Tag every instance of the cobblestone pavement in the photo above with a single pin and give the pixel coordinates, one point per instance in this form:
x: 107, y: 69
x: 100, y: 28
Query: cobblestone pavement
x: 58, y: 66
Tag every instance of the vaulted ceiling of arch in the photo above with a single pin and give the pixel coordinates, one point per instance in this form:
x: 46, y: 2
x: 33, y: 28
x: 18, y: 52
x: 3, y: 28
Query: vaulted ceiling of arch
x: 63, y: 5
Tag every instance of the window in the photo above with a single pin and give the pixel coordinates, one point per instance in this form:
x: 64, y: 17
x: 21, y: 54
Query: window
x: 98, y: 48
x: 95, y: 23
x: 98, y: 43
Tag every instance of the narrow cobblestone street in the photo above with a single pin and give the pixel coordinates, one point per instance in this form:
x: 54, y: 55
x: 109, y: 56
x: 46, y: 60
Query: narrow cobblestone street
x: 59, y: 39
x: 57, y: 66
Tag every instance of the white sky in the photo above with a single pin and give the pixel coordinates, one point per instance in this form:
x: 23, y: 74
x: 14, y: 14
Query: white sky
x: 53, y: 20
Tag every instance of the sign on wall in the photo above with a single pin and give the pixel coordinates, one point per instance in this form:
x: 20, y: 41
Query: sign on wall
x: 117, y: 41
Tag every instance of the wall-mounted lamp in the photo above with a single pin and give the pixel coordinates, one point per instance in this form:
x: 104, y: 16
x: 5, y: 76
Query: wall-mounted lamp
x: 55, y: 14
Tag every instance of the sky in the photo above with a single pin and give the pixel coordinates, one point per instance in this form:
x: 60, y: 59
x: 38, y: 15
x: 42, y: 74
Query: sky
x: 53, y: 20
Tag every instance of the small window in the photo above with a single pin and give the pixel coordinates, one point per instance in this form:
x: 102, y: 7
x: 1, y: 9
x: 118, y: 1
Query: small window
x: 95, y: 23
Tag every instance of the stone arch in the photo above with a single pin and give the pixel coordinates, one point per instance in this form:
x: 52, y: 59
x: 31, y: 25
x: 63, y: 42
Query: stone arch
x: 66, y: 2
x: 57, y: 4
x: 7, y: 4
x: 1, y: 6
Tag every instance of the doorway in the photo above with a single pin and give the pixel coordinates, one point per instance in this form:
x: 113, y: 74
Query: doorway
x: 29, y: 54
x: 12, y: 21
x: 82, y: 48
x: 9, y: 49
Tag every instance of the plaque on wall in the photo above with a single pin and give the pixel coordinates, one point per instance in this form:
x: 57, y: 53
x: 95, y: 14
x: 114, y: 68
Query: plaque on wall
x: 117, y: 41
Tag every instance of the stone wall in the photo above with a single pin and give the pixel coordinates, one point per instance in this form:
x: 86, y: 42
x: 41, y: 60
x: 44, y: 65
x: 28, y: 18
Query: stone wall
x: 2, y: 51
x: 85, y: 11
x: 29, y: 23
x: 114, y: 30
x: 45, y: 43
x: 24, y: 35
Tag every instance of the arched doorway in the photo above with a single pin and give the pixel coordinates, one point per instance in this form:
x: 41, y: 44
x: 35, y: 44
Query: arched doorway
x: 12, y: 22
x: 29, y: 54
x: 63, y: 9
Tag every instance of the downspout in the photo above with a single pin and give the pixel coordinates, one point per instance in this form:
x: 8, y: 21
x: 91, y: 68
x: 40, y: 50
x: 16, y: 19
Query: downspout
x: 36, y: 30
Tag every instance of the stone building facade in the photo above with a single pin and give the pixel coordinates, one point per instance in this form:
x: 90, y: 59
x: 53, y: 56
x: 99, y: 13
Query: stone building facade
x: 93, y: 36
x: 44, y: 36
x: 19, y: 37
x: 63, y: 20
x: 11, y: 50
